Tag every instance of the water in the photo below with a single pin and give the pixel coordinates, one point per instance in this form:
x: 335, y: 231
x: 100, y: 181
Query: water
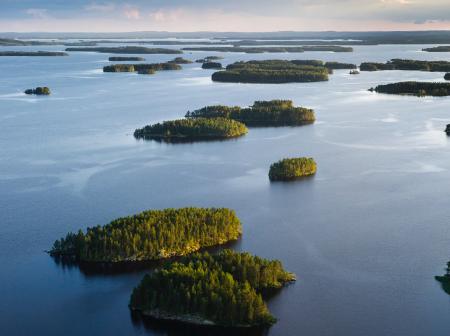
x: 365, y: 236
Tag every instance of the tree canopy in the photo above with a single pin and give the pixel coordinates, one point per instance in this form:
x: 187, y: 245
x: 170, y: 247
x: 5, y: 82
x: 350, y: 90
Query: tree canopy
x: 291, y: 169
x: 404, y: 64
x: 40, y: 90
x: 419, y: 89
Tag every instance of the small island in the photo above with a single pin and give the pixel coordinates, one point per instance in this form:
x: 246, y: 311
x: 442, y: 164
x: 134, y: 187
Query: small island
x: 126, y: 59
x: 225, y: 290
x: 151, y: 235
x: 447, y: 76
x: 33, y: 53
x: 437, y: 49
x: 271, y: 72
x: 40, y: 91
x: 292, y: 169
x: 445, y: 279
x: 128, y: 50
x: 143, y: 68
x: 212, y: 65
x: 420, y: 89
x: 261, y: 113
x: 404, y: 64
x: 197, y: 129
x: 180, y: 60
x: 209, y: 59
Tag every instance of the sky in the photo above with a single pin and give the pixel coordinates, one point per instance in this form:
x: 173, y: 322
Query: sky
x: 225, y: 15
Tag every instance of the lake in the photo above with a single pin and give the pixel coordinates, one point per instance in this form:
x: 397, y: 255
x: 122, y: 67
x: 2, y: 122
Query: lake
x: 365, y: 236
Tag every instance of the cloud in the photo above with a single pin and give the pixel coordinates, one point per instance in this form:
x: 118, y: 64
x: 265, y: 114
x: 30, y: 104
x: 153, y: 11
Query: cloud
x: 37, y: 13
x: 165, y: 15
x: 131, y: 13
x: 100, y: 7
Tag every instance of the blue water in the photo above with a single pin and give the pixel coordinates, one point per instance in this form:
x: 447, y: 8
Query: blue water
x: 365, y: 236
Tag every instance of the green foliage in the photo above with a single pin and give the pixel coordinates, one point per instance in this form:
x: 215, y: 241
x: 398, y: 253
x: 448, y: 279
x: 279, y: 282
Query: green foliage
x: 141, y: 68
x: 291, y: 169
x: 180, y: 60
x: 262, y: 113
x: 193, y: 129
x: 271, y: 71
x: 264, y: 49
x: 33, y: 53
x: 224, y: 288
x: 152, y: 235
x: 402, y: 64
x: 338, y: 65
x: 211, y: 65
x: 125, y: 58
x: 39, y: 91
x: 119, y: 68
x: 415, y: 88
x: 438, y: 49
x: 128, y: 50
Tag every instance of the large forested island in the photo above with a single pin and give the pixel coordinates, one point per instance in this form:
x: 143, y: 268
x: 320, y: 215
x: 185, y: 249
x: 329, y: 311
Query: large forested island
x: 257, y: 50
x: 223, y: 289
x: 192, y: 129
x: 128, y: 50
x: 420, y: 89
x: 271, y: 71
x: 291, y: 169
x: 403, y: 64
x: 33, y: 53
x: 143, y: 68
x: 438, y: 49
x: 40, y: 91
x: 125, y: 59
x: 151, y: 235
x: 261, y: 113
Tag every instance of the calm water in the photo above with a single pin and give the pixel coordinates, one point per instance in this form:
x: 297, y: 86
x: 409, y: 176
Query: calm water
x: 365, y: 236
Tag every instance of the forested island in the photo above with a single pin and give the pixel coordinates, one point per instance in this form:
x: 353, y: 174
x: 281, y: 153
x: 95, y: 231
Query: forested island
x: 151, y: 235
x: 128, y: 50
x: 261, y: 113
x: 180, y: 60
x: 33, y: 53
x: 402, y: 64
x: 445, y: 279
x: 272, y: 72
x: 209, y: 59
x: 223, y: 289
x: 212, y: 65
x: 438, y: 49
x: 419, y: 89
x: 192, y: 130
x: 291, y: 169
x: 258, y: 50
x: 338, y: 65
x: 126, y: 59
x: 447, y: 76
x: 143, y: 68
x: 40, y: 91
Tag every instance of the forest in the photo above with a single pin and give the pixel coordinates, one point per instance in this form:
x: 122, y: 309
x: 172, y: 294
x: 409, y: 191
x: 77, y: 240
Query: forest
x: 224, y: 289
x: 262, y: 49
x: 192, y: 129
x: 125, y: 59
x: 291, y: 169
x: 402, y: 64
x: 209, y: 59
x: 128, y: 50
x: 180, y: 60
x: 40, y: 90
x: 212, y: 65
x: 419, y: 89
x: 261, y: 113
x: 33, y: 53
x: 271, y: 71
x: 338, y: 65
x: 438, y: 49
x: 142, y: 68
x: 151, y: 235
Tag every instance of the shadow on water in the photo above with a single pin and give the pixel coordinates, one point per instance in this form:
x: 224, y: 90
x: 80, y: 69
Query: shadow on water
x: 187, y: 140
x: 95, y: 269
x: 172, y: 328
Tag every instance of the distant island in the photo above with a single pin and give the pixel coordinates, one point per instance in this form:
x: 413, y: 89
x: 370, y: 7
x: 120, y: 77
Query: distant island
x: 212, y: 65
x: 419, y: 89
x: 445, y: 279
x: 271, y: 72
x: 40, y: 91
x: 261, y: 113
x: 151, y: 235
x: 438, y: 49
x: 291, y: 169
x: 128, y: 50
x: 33, y: 53
x: 180, y: 60
x: 126, y: 59
x: 447, y: 76
x: 192, y: 130
x: 338, y: 65
x: 402, y: 64
x: 224, y: 289
x: 142, y: 68
x: 257, y: 50
x: 209, y: 59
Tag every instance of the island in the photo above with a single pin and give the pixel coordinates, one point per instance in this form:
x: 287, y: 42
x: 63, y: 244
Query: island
x: 338, y: 65
x: 258, y: 50
x: 209, y: 59
x: 126, y: 59
x: 33, y: 53
x: 445, y: 279
x: 224, y: 289
x: 40, y: 91
x: 292, y: 169
x: 447, y: 76
x: 197, y: 129
x: 261, y: 113
x: 128, y: 50
x: 212, y: 65
x: 142, y: 68
x: 419, y: 89
x: 180, y: 60
x: 437, y: 49
x: 151, y: 235
x: 271, y: 72
x: 404, y: 64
